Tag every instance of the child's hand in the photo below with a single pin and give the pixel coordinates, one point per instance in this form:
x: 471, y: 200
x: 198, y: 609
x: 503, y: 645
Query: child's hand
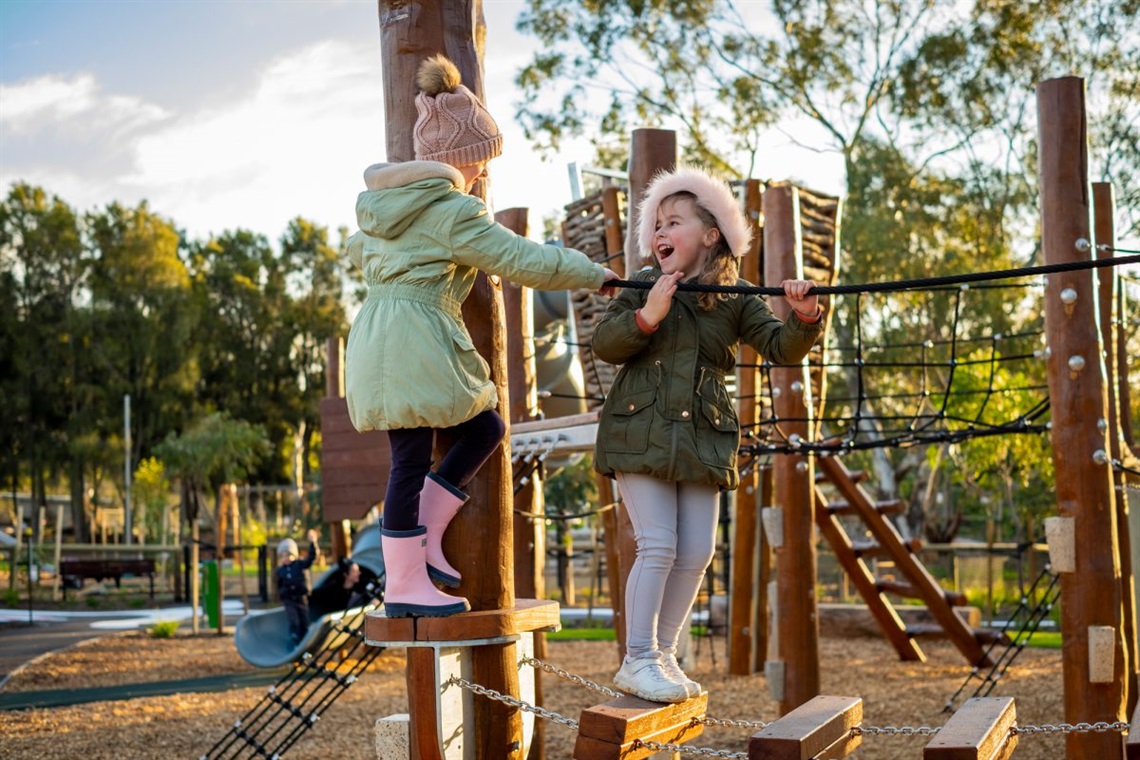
x: 805, y: 304
x: 660, y: 298
x: 313, y: 536
x: 608, y: 290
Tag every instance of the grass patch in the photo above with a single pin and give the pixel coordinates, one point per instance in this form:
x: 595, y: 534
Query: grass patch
x: 1045, y: 640
x: 163, y: 629
x: 583, y: 634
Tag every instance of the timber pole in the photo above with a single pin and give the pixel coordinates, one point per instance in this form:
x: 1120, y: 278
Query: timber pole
x: 481, y: 538
x: 1092, y: 629
x: 1109, y: 288
x: 746, y: 639
x: 530, y: 532
x: 793, y: 671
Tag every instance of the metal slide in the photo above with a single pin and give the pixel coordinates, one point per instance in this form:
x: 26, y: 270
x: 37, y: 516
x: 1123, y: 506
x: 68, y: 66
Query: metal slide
x: 263, y: 638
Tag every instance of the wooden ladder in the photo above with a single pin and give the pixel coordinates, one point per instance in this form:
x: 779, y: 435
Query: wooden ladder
x: 919, y: 584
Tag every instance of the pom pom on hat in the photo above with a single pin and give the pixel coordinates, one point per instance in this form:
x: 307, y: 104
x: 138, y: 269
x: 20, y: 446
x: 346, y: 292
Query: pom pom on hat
x: 452, y: 125
x: 713, y: 195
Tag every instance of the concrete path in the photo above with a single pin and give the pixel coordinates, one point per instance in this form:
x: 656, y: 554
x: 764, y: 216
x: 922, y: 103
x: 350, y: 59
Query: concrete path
x: 48, y: 631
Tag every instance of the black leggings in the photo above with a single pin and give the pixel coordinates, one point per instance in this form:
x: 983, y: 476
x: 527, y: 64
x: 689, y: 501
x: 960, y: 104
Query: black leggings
x: 475, y: 441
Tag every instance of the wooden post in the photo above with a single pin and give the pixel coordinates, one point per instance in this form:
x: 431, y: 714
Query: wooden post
x: 650, y: 151
x: 797, y: 634
x: 1109, y: 285
x: 530, y: 533
x: 482, y: 536
x: 1090, y: 596
x: 743, y: 597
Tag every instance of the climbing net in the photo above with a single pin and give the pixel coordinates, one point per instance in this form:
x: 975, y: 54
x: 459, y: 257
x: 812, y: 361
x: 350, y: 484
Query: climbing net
x: 915, y: 362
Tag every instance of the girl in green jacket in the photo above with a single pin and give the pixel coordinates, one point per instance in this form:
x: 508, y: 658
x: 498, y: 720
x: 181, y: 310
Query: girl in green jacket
x: 668, y: 431
x: 410, y: 365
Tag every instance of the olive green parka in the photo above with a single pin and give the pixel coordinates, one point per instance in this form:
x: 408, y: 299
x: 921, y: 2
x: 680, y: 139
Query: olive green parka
x: 669, y: 414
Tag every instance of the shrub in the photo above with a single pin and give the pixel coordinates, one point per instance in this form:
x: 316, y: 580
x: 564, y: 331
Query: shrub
x: 163, y: 629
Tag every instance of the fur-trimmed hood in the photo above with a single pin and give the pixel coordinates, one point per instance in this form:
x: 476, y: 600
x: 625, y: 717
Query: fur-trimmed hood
x: 712, y: 194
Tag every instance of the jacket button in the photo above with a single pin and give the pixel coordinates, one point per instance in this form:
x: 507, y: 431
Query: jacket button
x: 631, y: 407
x: 716, y: 421
x: 685, y: 415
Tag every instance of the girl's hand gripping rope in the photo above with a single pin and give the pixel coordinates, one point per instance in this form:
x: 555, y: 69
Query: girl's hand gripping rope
x: 803, y: 301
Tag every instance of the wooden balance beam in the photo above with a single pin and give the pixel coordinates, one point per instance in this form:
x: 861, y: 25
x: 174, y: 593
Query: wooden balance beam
x: 442, y: 714
x: 980, y: 730
x: 609, y: 731
x: 819, y: 728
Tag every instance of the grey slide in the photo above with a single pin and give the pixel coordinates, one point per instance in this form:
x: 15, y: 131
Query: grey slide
x: 263, y: 638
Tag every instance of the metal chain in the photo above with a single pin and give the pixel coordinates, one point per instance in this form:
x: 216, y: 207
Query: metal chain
x: 730, y: 723
x: 1099, y: 727
x: 895, y: 730
x: 508, y: 700
x: 534, y: 663
x: 687, y: 750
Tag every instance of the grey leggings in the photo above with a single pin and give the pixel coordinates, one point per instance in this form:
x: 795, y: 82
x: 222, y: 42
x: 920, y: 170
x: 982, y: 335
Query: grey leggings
x: 675, y: 528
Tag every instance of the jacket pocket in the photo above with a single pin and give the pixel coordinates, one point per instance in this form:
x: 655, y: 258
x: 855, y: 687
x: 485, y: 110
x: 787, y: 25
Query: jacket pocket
x: 472, y: 368
x: 630, y: 423
x: 718, y: 428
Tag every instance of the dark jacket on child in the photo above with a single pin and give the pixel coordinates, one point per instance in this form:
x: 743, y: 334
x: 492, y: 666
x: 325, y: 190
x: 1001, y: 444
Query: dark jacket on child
x: 293, y: 579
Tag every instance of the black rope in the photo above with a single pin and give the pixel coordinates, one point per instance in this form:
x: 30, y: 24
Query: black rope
x: 922, y: 283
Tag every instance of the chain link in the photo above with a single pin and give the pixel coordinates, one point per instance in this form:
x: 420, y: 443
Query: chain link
x: 730, y: 723
x: 895, y: 730
x: 685, y: 749
x: 1099, y: 727
x: 508, y: 700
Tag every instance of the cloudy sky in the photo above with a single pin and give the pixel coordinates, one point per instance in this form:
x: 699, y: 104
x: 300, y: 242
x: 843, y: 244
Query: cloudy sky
x: 230, y: 113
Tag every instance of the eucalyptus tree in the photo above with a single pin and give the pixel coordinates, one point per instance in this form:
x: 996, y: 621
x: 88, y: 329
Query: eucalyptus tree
x: 43, y: 268
x: 318, y: 287
x: 142, y: 325
x: 929, y: 107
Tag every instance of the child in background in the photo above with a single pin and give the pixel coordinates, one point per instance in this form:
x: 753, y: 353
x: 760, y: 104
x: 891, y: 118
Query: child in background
x: 410, y: 365
x: 292, y: 577
x: 668, y: 431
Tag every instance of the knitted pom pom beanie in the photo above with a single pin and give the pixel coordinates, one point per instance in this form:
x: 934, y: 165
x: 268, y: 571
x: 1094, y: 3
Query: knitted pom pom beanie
x: 713, y: 195
x: 452, y: 126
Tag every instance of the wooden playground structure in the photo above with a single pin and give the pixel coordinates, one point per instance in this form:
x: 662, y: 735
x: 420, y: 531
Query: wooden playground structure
x: 469, y: 694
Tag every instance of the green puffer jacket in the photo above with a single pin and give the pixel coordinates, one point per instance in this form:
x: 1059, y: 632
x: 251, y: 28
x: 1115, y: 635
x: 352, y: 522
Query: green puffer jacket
x: 668, y: 413
x: 410, y: 361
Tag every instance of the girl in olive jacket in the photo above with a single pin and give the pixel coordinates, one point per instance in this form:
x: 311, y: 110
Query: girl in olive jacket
x: 668, y: 431
x: 410, y: 365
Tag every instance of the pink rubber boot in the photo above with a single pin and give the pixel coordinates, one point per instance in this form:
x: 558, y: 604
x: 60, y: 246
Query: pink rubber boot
x: 408, y: 591
x: 439, y: 502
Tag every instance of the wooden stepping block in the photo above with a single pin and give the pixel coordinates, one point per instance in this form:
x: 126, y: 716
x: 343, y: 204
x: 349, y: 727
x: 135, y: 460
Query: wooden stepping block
x: 608, y: 731
x: 484, y: 626
x: 978, y: 731
x: 819, y: 728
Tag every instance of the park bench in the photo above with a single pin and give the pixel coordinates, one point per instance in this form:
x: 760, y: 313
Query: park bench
x: 100, y: 569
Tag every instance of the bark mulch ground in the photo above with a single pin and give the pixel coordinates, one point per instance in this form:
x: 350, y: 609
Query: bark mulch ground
x: 186, y: 725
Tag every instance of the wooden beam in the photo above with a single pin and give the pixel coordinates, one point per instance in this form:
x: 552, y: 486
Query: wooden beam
x: 650, y: 151
x: 610, y: 731
x: 980, y: 730
x: 1109, y: 286
x: 810, y: 730
x: 746, y: 639
x: 1091, y: 596
x: 798, y: 620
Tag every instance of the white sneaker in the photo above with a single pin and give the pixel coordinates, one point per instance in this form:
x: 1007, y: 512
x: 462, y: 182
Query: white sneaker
x: 672, y: 670
x: 644, y: 678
